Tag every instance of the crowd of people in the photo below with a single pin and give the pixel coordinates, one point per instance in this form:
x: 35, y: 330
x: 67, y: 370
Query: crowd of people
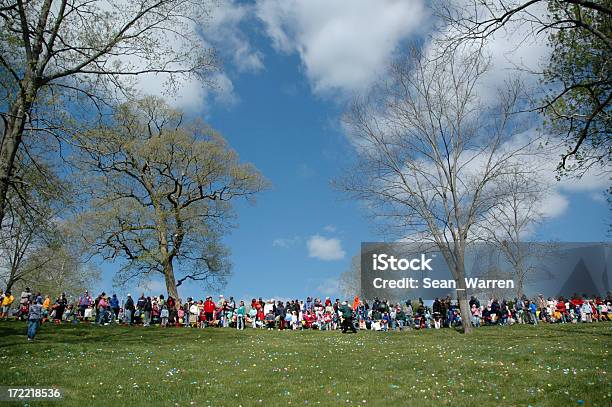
x: 313, y: 313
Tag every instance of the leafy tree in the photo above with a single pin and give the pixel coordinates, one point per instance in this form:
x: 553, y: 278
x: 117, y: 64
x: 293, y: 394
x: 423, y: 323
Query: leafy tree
x: 36, y: 245
x: 577, y: 83
x: 579, y: 72
x: 58, y: 267
x: 162, y: 190
x: 56, y: 53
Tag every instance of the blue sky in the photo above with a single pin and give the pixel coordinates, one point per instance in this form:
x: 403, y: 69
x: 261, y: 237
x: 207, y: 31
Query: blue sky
x: 279, y: 102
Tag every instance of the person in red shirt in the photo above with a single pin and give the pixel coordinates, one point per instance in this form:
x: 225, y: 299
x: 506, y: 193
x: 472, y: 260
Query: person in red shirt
x: 576, y: 302
x: 594, y: 311
x: 308, y: 320
x: 560, y: 309
x: 209, y: 309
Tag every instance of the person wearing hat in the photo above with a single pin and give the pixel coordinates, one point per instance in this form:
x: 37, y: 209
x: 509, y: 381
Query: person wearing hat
x: 347, y: 318
x: 34, y: 316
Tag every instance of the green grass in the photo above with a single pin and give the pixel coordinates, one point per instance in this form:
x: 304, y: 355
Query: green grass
x: 553, y: 365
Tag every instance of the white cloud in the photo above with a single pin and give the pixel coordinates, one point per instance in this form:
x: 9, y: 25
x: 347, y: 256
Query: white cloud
x: 516, y: 49
x: 557, y: 201
x: 220, y: 30
x: 224, y: 31
x: 330, y: 228
x: 554, y: 205
x: 591, y: 181
x: 514, y: 53
x: 343, y: 45
x: 324, y: 248
x: 285, y: 242
x: 190, y: 93
x: 223, y: 90
x: 329, y: 287
x: 543, y: 162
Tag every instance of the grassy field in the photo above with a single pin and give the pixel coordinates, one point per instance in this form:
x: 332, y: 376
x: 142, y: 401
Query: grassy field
x: 560, y: 365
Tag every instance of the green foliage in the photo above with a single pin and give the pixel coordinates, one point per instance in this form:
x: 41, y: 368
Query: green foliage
x: 35, y: 244
x: 579, y: 80
x: 161, y: 192
x: 58, y: 268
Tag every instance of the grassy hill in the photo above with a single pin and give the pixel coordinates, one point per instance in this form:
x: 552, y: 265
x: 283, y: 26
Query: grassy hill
x: 548, y: 365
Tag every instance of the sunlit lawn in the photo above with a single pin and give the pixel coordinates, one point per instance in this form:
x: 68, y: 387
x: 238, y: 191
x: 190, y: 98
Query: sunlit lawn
x: 556, y: 365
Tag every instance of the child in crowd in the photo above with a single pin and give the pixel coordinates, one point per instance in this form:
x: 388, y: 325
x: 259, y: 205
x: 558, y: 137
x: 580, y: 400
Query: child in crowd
x: 270, y: 320
x: 476, y: 315
x: 240, y: 316
x: 253, y: 317
x: 164, y: 315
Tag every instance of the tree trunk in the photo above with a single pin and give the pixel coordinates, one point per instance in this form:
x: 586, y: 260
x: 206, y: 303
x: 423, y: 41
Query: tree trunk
x: 464, y: 307
x: 10, y: 144
x: 170, y: 281
x: 12, y: 278
x: 162, y: 230
x: 9, y: 285
x: 519, y: 287
x: 462, y: 297
x: 520, y: 275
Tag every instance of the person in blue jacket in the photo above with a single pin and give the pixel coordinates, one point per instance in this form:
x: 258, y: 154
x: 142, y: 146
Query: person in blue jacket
x: 34, y: 317
x: 114, y: 304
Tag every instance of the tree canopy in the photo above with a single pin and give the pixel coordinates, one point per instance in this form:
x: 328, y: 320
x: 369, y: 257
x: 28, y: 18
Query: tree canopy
x: 161, y: 191
x: 579, y: 103
x: 56, y: 54
x: 576, y: 91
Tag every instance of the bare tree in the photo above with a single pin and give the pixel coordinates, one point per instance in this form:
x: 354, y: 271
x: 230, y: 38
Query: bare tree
x: 430, y: 152
x: 350, y: 280
x: 52, y: 51
x: 508, y: 224
x: 484, y: 263
x: 162, y: 192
